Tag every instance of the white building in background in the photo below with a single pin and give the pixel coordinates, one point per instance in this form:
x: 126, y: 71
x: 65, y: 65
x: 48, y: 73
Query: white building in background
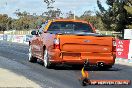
x: 128, y: 34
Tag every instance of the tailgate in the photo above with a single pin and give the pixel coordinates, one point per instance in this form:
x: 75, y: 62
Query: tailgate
x: 91, y: 44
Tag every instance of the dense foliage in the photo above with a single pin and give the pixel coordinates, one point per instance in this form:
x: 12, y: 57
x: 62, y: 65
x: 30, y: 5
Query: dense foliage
x: 118, y: 16
x: 5, y: 22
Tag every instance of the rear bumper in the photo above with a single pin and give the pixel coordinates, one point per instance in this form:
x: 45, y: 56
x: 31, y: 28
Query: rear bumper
x: 79, y: 58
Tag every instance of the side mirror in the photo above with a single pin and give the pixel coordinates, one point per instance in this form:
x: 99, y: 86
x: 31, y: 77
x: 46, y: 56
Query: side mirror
x: 34, y: 32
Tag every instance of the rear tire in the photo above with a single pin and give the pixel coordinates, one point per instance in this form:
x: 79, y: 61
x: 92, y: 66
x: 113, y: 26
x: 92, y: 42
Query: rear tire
x: 46, y: 61
x: 30, y: 56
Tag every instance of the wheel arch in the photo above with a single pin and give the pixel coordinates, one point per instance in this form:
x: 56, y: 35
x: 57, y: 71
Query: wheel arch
x: 44, y: 47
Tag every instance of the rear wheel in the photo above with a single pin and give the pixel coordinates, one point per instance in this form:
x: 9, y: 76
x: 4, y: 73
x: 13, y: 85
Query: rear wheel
x: 46, y: 59
x: 30, y: 57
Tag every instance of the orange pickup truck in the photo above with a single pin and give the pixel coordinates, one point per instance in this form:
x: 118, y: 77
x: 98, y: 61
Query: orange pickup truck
x: 71, y: 42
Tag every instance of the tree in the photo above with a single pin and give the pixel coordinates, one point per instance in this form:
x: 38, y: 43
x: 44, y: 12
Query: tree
x: 70, y: 15
x: 20, y: 14
x: 26, y: 21
x: 116, y: 17
x: 128, y: 7
x: 87, y: 13
x: 93, y: 19
x: 5, y: 22
x: 51, y: 13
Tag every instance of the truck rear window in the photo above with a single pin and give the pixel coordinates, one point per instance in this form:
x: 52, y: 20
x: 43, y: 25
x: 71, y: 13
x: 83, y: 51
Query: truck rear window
x: 72, y: 27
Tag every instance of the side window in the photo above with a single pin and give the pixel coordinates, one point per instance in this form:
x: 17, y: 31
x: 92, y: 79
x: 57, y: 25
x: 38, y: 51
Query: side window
x: 42, y: 27
x: 54, y: 27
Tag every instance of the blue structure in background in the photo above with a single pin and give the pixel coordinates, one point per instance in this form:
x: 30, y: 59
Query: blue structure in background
x: 5, y: 37
x: 28, y: 37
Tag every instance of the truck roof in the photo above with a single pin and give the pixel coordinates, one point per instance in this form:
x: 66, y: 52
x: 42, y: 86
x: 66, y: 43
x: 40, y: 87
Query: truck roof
x: 72, y: 20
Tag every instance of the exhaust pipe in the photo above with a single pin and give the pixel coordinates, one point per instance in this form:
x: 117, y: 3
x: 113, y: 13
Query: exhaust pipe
x: 100, y: 64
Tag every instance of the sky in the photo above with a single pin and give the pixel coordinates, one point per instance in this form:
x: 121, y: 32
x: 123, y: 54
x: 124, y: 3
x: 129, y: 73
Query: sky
x: 38, y: 6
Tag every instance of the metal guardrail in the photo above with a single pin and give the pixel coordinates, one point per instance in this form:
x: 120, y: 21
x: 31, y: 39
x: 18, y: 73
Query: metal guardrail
x: 16, y: 32
x: 16, y: 38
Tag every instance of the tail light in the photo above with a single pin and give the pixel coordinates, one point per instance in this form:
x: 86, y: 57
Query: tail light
x: 114, y: 45
x: 56, y: 43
